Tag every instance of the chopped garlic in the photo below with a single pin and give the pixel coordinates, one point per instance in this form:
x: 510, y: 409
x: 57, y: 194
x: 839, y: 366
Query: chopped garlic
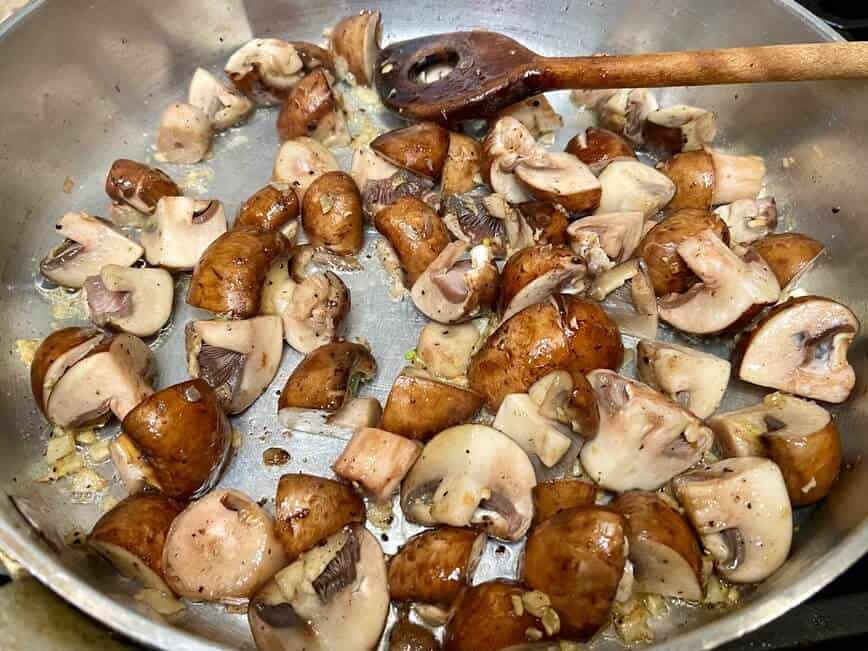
x: 535, y: 602
x: 811, y: 485
x: 517, y: 605
x: 99, y: 451
x: 533, y: 634
x: 58, y: 447
x: 88, y: 481
x: 86, y: 437
x: 27, y: 350
x: 63, y: 467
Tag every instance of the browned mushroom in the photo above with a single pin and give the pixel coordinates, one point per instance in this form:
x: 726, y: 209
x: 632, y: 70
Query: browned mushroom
x: 625, y: 111
x: 377, y: 460
x: 326, y: 376
x: 461, y: 170
x: 138, y: 301
x: 415, y: 231
x: 223, y: 105
x: 332, y: 213
x: 551, y: 497
x: 356, y: 39
x: 789, y: 255
x: 679, y: 128
x: 535, y: 273
x: 547, y: 220
x: 693, y: 175
x: 272, y: 208
x: 421, y: 148
x: 313, y: 56
x: 492, y: 221
x: 302, y: 161
x: 407, y: 636
x: 265, y: 69
x: 596, y: 148
x: 181, y: 229
x: 138, y: 186
x: 311, y: 109
x: 604, y: 240
x: 561, y: 178
x: 184, y: 135
x: 707, y: 177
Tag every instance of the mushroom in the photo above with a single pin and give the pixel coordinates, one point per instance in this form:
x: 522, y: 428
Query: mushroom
x: 732, y: 289
x: 707, y: 177
x: 596, y: 148
x: 134, y: 471
x: 678, y: 128
x: 535, y: 273
x: 407, y: 636
x: 420, y: 406
x: 131, y: 536
x: 138, y: 186
x: 415, y: 231
x: 309, y: 509
x: 628, y: 185
x: 445, y: 351
x: 81, y: 375
x: 547, y: 220
x: 420, y: 148
x: 311, y: 109
x: 180, y: 231
x: 356, y: 39
x: 228, y: 278
x: 749, y: 220
x: 302, y: 161
x: 272, y: 208
x: 313, y: 56
x: 551, y: 497
x: 625, y: 111
x: 505, y: 183
x: 801, y: 347
x: 184, y: 135
x: 368, y: 166
x: 471, y: 475
x: 789, y: 255
x: 564, y: 332
x: 434, y: 566
x: 184, y: 435
x: 461, y: 169
x: 335, y: 596
x: 798, y: 435
x: 741, y: 511
x: 736, y: 177
x: 377, y: 460
x: 222, y: 105
x: 567, y: 398
x: 454, y: 289
x: 561, y: 178
x: 536, y: 114
x: 669, y: 272
x: 577, y: 558
x: 221, y: 548
x: 488, y: 220
x: 238, y: 359
x: 332, y: 214
x: 138, y: 301
x: 690, y: 377
x: 509, y: 140
x: 692, y: 172
x: 604, y: 240
x: 627, y: 296
x: 327, y: 376
x: 643, y: 439
x: 265, y: 69
x: 356, y: 413
x: 378, y: 194
x: 91, y: 243
x: 519, y: 418
x: 665, y: 553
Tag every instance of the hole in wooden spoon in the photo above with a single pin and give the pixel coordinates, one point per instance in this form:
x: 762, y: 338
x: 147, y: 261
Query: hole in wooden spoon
x: 434, y: 67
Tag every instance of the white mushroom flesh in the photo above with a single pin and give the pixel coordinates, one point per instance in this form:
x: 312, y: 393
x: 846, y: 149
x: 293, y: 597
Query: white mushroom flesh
x: 697, y: 127
x: 748, y: 220
x: 616, y: 235
x: 277, y: 64
x: 367, y: 166
x: 378, y: 460
x: 569, y: 274
x: 631, y: 186
x: 133, y: 469
x: 536, y: 114
x: 519, y: 418
x: 631, y: 305
x: 445, y: 351
x: 736, y: 177
x: 625, y: 111
x: 302, y: 161
x: 184, y: 135
x: 138, y: 301
x: 180, y: 231
x: 222, y: 104
x: 356, y: 413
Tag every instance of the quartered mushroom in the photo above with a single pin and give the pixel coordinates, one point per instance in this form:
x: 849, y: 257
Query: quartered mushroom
x: 312, y: 109
x: 180, y: 231
x: 692, y: 172
x: 596, y: 148
x: 455, y: 288
x: 707, y: 177
x: 601, y: 241
x: 561, y: 178
x: 368, y: 166
x: 732, y: 289
x: 551, y: 497
x: 273, y: 208
x: 798, y: 435
x: 742, y: 513
x: 420, y: 148
x: 238, y: 359
x: 265, y: 69
x: 628, y: 185
x: 489, y: 220
x: 184, y: 436
x: 356, y: 413
x: 138, y: 186
x: 535, y: 273
x: 445, y: 351
x: 471, y: 475
x: 408, y: 636
x: 801, y: 347
x: 694, y: 379
x: 519, y: 418
x: 748, y: 221
x: 644, y: 439
x: 462, y: 167
x: 184, y: 135
x: 625, y: 111
x: 91, y: 243
x: 627, y: 295
x: 335, y: 596
x: 547, y: 220
x: 536, y: 114
x: 377, y: 460
x: 419, y: 406
x: 300, y: 162
x: 789, y: 255
x: 567, y: 398
x: 221, y: 548
x: 313, y: 56
x: 678, y: 128
x: 138, y: 301
x: 380, y: 193
x: 508, y: 143
x: 133, y: 469
x: 332, y: 214
x: 356, y: 39
x: 415, y: 231
x: 223, y: 105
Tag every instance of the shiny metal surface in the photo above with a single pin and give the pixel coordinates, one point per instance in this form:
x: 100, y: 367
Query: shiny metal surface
x: 85, y: 83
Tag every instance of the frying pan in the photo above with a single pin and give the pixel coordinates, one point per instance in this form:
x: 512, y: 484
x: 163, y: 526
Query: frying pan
x: 85, y: 83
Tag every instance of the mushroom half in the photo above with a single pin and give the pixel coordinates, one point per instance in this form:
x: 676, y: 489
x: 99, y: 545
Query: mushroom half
x: 312, y: 109
x: 519, y: 418
x: 356, y: 40
x: 223, y: 106
x: 377, y: 460
x: 138, y: 186
x: 679, y: 128
x: 180, y: 231
x: 184, y: 136
x: 601, y: 241
x: 533, y: 274
x: 138, y: 301
x: 302, y: 161
x: 748, y: 220
x: 265, y: 69
x: 631, y: 186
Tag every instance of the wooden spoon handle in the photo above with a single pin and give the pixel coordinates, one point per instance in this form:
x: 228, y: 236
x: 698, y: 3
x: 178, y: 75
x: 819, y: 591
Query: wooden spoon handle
x: 743, y: 65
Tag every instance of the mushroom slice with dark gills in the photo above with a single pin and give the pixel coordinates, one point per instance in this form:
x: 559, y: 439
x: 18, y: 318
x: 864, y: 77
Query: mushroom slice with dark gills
x: 488, y: 220
x: 335, y: 596
x: 180, y: 231
x: 644, y: 439
x: 223, y: 105
x: 454, y: 289
x: 535, y: 273
x: 138, y: 301
x: 472, y: 475
x: 265, y: 69
x: 90, y: 244
x: 748, y: 220
x: 742, y: 513
x: 138, y: 186
x: 380, y: 193
x: 801, y: 347
x: 238, y: 359
x: 604, y: 240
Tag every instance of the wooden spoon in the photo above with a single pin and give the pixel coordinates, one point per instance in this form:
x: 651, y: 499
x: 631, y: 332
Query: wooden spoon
x: 491, y: 71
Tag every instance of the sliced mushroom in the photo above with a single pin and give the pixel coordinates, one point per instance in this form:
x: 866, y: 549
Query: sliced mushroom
x: 445, y: 351
x: 184, y: 135
x: 665, y: 553
x: 511, y: 139
x: 238, y: 359
x: 56, y: 354
x: 377, y: 460
x: 749, y: 220
x: 332, y: 214
x: 801, y: 347
x: 407, y: 636
x: 471, y: 474
x: 357, y: 40
x: 311, y: 109
x: 420, y: 148
x: 228, y: 278
x: 567, y: 399
x: 313, y: 56
x: 221, y: 548
x: 519, y: 418
x: 551, y: 497
x: 798, y: 435
x: 302, y: 161
x: 138, y: 301
x: 736, y: 177
x: 488, y: 220
x: 91, y: 243
x: 505, y: 183
x: 536, y: 114
x: 184, y: 435
x: 741, y: 510
x: 625, y: 111
x: 335, y: 596
x: 632, y: 305
x: 547, y: 220
x: 272, y: 208
x: 224, y: 107
x: 419, y: 406
x: 133, y: 469
x: 643, y: 439
x: 561, y: 178
x: 690, y: 377
x: 265, y: 69
x: 535, y: 273
x: 679, y: 128
x: 692, y: 172
x: 131, y: 536
x: 378, y: 194
x: 138, y: 186
x: 629, y: 185
x: 309, y: 509
x: 182, y: 228
x: 327, y: 376
x: 607, y: 239
x: 461, y: 170
x: 596, y: 148
x: 416, y: 232
x: 356, y: 413
x: 368, y: 166
x: 789, y: 255
x: 732, y: 289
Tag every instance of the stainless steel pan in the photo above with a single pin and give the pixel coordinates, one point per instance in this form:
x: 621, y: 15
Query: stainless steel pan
x: 84, y: 83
